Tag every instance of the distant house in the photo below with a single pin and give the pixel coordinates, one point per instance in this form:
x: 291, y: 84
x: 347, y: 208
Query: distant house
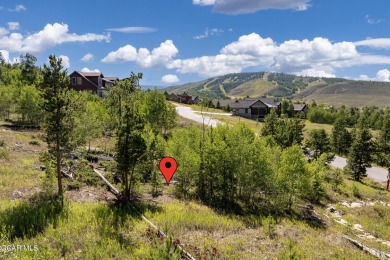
x: 92, y: 81
x: 222, y: 103
x: 301, y: 109
x: 254, y: 108
x: 183, y: 98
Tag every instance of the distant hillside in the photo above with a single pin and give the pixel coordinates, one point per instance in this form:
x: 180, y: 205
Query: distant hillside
x: 332, y: 91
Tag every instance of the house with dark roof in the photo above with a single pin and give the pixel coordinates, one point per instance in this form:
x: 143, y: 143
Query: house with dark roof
x: 222, y: 103
x: 301, y: 109
x: 254, y: 108
x: 92, y: 81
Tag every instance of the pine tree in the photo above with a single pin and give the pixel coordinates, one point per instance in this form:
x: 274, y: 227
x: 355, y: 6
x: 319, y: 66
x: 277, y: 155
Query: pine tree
x: 341, y: 138
x: 270, y: 124
x: 318, y: 142
x: 359, y: 157
x: 58, y: 121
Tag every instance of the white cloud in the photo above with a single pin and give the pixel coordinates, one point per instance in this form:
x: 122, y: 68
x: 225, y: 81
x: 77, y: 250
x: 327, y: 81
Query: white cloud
x: 3, y: 31
x: 372, y: 20
x: 203, y: 2
x: 133, y: 29
x: 170, y: 79
x: 251, y: 6
x: 379, y: 43
x: 87, y: 57
x: 65, y: 61
x: 12, y: 26
x: 316, y: 57
x: 18, y: 8
x: 5, y: 55
x: 88, y: 70
x: 123, y: 54
x: 381, y: 75
x: 207, y: 32
x: 158, y: 57
x: 50, y: 36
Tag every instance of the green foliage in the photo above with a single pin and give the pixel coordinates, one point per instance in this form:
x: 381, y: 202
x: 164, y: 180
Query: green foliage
x: 285, y: 131
x: 4, y: 154
x: 58, y: 121
x: 341, y: 138
x: 318, y: 142
x: 29, y: 72
x: 270, y: 226
x: 27, y: 219
x: 360, y: 157
x: 336, y: 179
x: 2, y: 143
x: 165, y: 249
x: 34, y: 142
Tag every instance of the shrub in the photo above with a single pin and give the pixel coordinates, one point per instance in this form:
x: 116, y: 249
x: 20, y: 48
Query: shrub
x: 34, y: 142
x: 92, y: 158
x: 74, y: 185
x: 4, y: 154
x: 2, y: 143
x: 356, y: 192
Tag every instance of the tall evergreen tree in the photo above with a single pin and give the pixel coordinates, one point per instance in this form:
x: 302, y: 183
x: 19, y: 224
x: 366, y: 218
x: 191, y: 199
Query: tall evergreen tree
x: 318, y: 142
x: 29, y: 71
x: 341, y: 138
x: 58, y: 121
x: 360, y: 157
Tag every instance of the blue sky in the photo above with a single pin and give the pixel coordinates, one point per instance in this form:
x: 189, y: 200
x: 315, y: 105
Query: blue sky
x: 179, y: 41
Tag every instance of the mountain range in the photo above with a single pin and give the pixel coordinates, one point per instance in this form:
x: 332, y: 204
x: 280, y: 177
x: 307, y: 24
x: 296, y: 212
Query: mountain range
x: 330, y: 91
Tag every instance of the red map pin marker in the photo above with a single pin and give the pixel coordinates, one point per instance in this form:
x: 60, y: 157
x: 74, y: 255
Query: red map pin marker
x: 168, y: 167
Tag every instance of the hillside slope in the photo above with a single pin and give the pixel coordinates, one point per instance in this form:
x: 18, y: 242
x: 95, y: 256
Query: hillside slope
x: 331, y: 91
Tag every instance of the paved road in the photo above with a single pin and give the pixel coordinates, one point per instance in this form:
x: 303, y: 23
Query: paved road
x: 213, y: 113
x: 375, y: 173
x: 188, y: 113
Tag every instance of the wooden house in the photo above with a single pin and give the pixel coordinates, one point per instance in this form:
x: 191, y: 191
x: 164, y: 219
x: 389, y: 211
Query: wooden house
x: 92, y: 81
x: 254, y: 108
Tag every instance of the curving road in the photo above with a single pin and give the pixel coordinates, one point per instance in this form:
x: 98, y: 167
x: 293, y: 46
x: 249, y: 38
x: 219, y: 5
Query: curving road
x: 375, y: 173
x: 188, y: 113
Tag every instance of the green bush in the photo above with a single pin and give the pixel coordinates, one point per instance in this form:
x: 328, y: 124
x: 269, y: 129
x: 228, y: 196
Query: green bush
x: 34, y: 142
x: 74, y: 185
x: 2, y: 143
x: 4, y: 154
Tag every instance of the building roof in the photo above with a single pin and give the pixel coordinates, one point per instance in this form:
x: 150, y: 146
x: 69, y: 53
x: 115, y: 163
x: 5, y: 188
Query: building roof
x: 299, y: 107
x: 248, y: 102
x: 111, y: 78
x: 91, y: 74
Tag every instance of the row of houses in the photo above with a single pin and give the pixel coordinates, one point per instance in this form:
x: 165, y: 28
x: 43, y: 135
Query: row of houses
x: 183, y: 98
x: 254, y: 108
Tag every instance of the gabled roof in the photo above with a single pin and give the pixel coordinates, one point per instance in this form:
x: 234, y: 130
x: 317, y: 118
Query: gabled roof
x: 248, y: 102
x: 299, y: 107
x: 83, y: 76
x: 194, y: 98
x: 91, y: 74
x: 269, y: 102
x: 243, y: 104
x: 111, y: 78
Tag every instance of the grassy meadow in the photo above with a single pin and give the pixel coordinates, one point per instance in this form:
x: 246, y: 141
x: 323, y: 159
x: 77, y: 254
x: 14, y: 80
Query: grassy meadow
x: 92, y: 226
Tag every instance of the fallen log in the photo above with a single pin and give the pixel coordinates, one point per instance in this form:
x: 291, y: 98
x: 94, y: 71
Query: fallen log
x: 111, y: 187
x: 378, y: 254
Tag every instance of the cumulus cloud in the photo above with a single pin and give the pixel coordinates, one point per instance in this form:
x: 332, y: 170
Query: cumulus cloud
x: 317, y: 57
x: 158, y: 57
x: 12, y: 26
x: 251, y: 6
x: 378, y: 43
x: 381, y: 75
x: 3, y: 31
x: 87, y: 57
x: 123, y: 54
x: 50, y: 36
x: 65, y: 61
x: 133, y: 29
x: 170, y: 79
x: 207, y: 32
x: 5, y: 55
x: 88, y: 70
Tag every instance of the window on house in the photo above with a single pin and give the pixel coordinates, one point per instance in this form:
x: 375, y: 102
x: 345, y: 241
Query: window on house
x: 246, y: 110
x: 73, y: 80
x: 79, y: 81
